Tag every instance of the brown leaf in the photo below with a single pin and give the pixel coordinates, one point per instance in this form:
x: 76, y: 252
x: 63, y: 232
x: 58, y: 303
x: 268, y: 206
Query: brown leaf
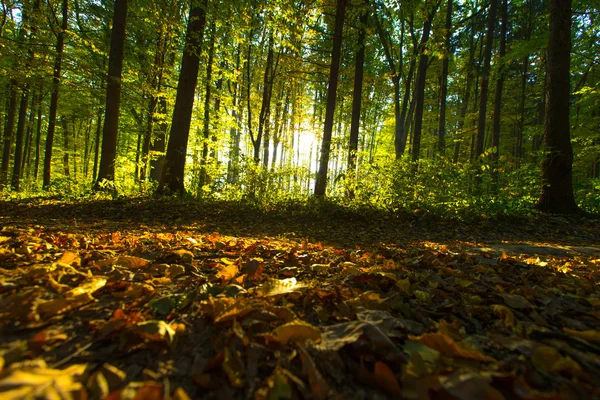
x: 447, y: 346
x: 386, y: 379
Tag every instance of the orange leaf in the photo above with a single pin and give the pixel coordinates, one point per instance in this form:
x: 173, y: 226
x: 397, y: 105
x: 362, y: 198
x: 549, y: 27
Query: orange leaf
x: 386, y: 379
x: 227, y: 272
x: 446, y: 345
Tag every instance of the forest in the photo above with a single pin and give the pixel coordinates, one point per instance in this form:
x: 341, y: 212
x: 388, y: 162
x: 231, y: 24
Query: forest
x: 300, y: 199
x: 434, y: 106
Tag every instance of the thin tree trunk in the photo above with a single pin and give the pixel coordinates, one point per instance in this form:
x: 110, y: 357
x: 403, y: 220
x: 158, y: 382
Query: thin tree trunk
x: 66, y: 149
x: 485, y: 77
x: 265, y: 108
x: 60, y: 43
x: 441, y: 145
x: 207, y: 100
x: 356, y: 102
x: 97, y: 142
x: 498, y: 95
x: 38, y: 137
x: 420, y: 87
x: 321, y: 181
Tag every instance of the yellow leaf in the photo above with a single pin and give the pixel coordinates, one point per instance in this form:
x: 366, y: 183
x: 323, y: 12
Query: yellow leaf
x: 135, y: 290
x: 63, y: 304
x: 20, y: 382
x: 446, y: 345
x: 589, y: 335
x: 548, y: 359
x: 125, y: 261
x: 506, y: 314
x: 89, y: 285
x: 297, y: 331
x: 404, y: 285
x: 227, y: 272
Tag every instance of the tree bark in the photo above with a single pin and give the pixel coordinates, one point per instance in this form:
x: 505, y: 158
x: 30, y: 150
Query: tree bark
x: 106, y: 172
x: 356, y: 102
x: 420, y: 86
x: 557, y: 164
x: 60, y: 44
x: 498, y: 95
x: 485, y: 77
x: 336, y: 53
x: 441, y: 145
x: 171, y: 180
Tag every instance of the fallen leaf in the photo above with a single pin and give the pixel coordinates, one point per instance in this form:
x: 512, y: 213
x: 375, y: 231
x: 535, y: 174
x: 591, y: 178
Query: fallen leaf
x: 589, y: 335
x: 447, y: 346
x: 297, y: 331
x: 506, y: 314
x: 386, y: 379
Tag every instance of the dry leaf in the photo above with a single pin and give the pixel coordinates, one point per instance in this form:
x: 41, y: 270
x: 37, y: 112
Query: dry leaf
x: 447, y: 346
x: 297, y: 331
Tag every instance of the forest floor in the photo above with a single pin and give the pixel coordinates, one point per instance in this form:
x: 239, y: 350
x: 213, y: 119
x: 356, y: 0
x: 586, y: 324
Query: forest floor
x: 156, y: 299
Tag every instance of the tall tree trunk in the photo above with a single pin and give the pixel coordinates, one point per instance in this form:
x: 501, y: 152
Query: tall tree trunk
x: 66, y: 149
x: 60, y: 44
x: 265, y: 108
x: 498, y: 96
x: 441, y: 145
x: 29, y: 136
x: 8, y: 131
x: 20, y: 133
x: 485, y: 77
x: 171, y: 180
x: 97, y: 142
x: 106, y: 172
x: 38, y: 137
x: 557, y: 165
x: 336, y: 53
x: 420, y: 86
x: 157, y: 162
x: 207, y: 100
x: 356, y: 102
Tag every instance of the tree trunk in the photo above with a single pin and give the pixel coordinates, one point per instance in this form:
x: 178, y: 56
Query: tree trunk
x: 498, y: 96
x: 356, y: 102
x: 207, y: 100
x: 20, y: 135
x: 265, y: 108
x: 38, y: 137
x: 420, y: 86
x: 441, y: 145
x: 106, y: 172
x: 66, y: 149
x: 485, y: 77
x: 336, y: 53
x: 173, y: 171
x: 8, y: 131
x: 557, y: 165
x: 60, y: 44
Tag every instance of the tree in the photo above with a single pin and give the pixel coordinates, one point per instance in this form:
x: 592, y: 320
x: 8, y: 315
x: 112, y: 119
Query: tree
x: 113, y: 96
x: 60, y: 44
x: 441, y: 147
x: 485, y: 77
x: 336, y: 55
x: 357, y: 99
x: 420, y: 83
x: 557, y: 164
x: 171, y: 180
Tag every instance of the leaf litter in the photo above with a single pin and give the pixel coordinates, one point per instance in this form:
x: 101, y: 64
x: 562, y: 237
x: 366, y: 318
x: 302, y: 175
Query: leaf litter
x: 111, y: 309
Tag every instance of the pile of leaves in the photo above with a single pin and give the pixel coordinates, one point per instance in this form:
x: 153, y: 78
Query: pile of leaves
x: 130, y: 311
